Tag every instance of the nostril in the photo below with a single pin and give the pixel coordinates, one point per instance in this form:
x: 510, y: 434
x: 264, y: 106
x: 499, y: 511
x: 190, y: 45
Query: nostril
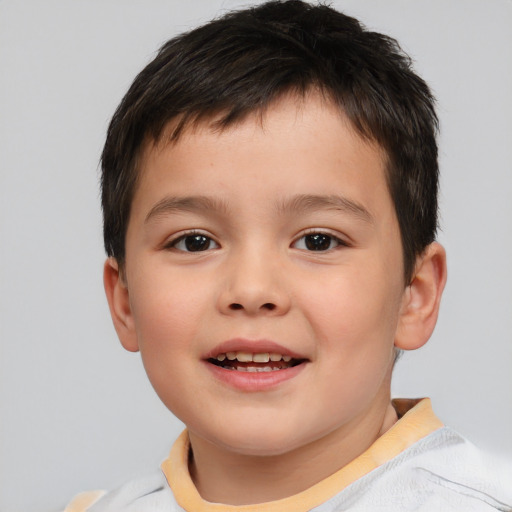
x: 268, y: 306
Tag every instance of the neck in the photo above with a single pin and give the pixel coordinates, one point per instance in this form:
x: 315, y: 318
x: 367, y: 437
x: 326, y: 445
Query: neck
x: 223, y: 476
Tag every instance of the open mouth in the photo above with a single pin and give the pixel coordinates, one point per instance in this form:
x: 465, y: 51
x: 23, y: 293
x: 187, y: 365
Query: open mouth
x: 258, y: 362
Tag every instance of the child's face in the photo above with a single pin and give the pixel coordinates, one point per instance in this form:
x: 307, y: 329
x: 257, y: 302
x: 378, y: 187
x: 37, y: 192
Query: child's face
x: 267, y: 238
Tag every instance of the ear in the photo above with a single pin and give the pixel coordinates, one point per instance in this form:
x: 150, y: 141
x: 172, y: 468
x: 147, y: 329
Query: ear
x: 421, y: 300
x: 118, y: 299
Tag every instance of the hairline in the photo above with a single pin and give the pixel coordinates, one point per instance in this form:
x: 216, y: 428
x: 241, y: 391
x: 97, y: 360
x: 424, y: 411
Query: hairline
x: 174, y: 128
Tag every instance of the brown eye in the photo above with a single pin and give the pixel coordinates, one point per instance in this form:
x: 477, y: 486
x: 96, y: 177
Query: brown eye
x: 194, y: 243
x: 317, y: 242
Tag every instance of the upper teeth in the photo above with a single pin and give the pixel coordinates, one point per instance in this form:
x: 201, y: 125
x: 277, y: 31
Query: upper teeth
x: 248, y: 357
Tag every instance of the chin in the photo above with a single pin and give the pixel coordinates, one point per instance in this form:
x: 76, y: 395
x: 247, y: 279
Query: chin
x: 261, y: 448
x: 261, y: 442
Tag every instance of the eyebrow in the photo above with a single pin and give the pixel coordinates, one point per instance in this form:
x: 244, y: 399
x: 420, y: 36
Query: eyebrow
x: 310, y: 202
x: 299, y: 203
x: 186, y: 204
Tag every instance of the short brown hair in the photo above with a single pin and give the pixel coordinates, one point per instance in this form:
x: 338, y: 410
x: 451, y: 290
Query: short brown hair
x: 242, y: 62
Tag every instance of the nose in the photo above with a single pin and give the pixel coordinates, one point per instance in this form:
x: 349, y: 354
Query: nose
x: 254, y: 285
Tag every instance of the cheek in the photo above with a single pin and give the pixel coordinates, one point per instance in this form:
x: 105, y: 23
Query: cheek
x: 165, y: 332
x: 167, y: 314
x: 355, y: 313
x: 355, y: 323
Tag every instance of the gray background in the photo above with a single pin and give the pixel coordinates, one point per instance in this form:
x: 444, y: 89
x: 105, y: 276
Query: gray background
x: 76, y: 411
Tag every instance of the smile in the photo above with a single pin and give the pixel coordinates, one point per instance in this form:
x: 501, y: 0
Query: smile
x: 253, y: 365
x: 243, y: 361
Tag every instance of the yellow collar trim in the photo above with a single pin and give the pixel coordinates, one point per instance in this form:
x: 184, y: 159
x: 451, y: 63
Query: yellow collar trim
x: 417, y: 421
x: 81, y: 502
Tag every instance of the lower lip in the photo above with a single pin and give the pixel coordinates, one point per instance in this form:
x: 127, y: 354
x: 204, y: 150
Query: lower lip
x: 254, y: 381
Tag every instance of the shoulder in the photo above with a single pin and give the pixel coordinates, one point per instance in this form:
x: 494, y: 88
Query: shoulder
x: 149, y: 493
x: 81, y: 502
x: 442, y: 472
x: 455, y: 466
x: 445, y: 452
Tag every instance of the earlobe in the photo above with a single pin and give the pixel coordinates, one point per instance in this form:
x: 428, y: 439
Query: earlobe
x: 422, y: 298
x: 118, y: 299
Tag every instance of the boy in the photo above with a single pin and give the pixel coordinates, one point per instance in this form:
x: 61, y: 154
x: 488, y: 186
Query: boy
x: 270, y: 208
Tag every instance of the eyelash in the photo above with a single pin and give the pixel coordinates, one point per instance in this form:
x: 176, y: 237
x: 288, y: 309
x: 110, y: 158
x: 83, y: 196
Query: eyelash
x: 173, y: 244
x: 332, y: 238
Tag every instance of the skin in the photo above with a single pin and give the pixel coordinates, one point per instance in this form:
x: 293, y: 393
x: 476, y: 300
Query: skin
x: 343, y: 308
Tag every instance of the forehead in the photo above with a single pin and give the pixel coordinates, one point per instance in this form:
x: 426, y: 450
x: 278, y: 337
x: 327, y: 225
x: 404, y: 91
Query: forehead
x: 295, y: 140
